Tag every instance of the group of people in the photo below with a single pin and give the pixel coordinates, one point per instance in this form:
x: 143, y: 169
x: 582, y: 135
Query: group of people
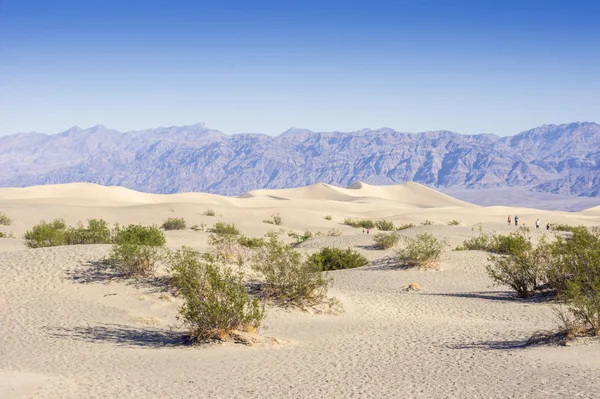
x: 537, y: 222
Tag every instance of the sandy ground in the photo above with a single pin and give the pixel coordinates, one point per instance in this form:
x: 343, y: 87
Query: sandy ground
x: 68, y: 330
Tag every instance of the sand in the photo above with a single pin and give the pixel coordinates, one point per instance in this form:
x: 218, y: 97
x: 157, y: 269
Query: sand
x: 69, y: 330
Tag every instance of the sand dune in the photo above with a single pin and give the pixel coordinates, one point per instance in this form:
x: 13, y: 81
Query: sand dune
x: 69, y: 330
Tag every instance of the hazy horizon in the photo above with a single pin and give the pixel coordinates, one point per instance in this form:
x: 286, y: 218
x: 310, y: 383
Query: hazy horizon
x: 265, y: 66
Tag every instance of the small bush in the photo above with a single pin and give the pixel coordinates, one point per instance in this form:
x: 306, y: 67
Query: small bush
x: 426, y: 223
x: 46, y: 234
x: 563, y: 227
x: 209, y: 212
x: 221, y: 228
x: 454, y: 223
x: 135, y: 260
x: 216, y: 305
x: 3, y: 235
x: 174, y: 224
x: 423, y: 251
x: 251, y: 242
x: 405, y: 226
x: 96, y: 232
x: 364, y: 223
x: 386, y: 240
x: 136, y: 234
x: 275, y: 219
x: 333, y: 233
x: 300, y: 238
x: 288, y: 279
x: 523, y: 270
x: 328, y: 217
x: 385, y: 225
x: 4, y: 219
x: 337, y: 259
x: 481, y: 242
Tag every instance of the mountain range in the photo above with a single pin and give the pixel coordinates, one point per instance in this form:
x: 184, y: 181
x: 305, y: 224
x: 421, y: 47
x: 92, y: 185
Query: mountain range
x: 561, y: 159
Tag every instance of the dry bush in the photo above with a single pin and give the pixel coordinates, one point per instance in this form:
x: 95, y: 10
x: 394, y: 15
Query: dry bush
x: 300, y: 238
x: 289, y: 280
x: 385, y: 225
x: 4, y: 219
x: 426, y: 223
x: 386, y: 240
x: 217, y: 306
x: 174, y: 224
x: 454, y: 223
x: 209, y: 212
x: 405, y: 226
x: 333, y: 233
x: 423, y: 251
x: 275, y: 219
x: 328, y: 217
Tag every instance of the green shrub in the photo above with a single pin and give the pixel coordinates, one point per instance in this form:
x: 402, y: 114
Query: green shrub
x: 337, y: 259
x: 216, y: 304
x: 481, y: 242
x: 514, y: 243
x: 96, y: 232
x: 251, y: 242
x: 134, y: 260
x: 275, y: 219
x: 364, y: 223
x: 209, y: 212
x: 454, y: 223
x: 3, y: 235
x: 563, y: 227
x: 405, y: 226
x: 174, y: 224
x: 426, y: 223
x: 4, y: 219
x: 221, y: 228
x: 46, y: 234
x: 328, y: 217
x: 423, y: 251
x: 386, y: 240
x: 136, y: 234
x: 288, y: 279
x: 385, y: 225
x: 524, y: 270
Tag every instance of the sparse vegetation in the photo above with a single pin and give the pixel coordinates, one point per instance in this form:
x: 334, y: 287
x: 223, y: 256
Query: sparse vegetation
x: 513, y: 243
x: 276, y: 219
x: 454, y: 222
x: 563, y: 227
x: 328, y: 217
x: 216, y: 305
x: 385, y: 225
x: 333, y: 233
x: 364, y: 223
x: 221, y: 228
x: 251, y: 242
x: 289, y: 280
x: 209, y: 212
x: 3, y: 235
x: 300, y: 238
x: 405, y: 226
x: 195, y: 227
x: 423, y: 251
x: 4, y: 219
x: 386, y: 240
x: 426, y: 223
x: 174, y: 224
x: 337, y: 259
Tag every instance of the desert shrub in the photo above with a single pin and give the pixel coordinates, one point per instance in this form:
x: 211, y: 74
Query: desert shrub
x: 300, y: 238
x: 525, y: 270
x: 96, y: 232
x: 288, y: 279
x: 4, y: 219
x: 221, y: 228
x: 46, y: 234
x: 481, y: 242
x: 405, y: 226
x: 251, y: 242
x: 216, y: 304
x: 333, y: 233
x: 134, y: 260
x: 328, y: 217
x: 136, y: 234
x: 454, y: 222
x: 174, y: 224
x: 426, y: 223
x: 275, y: 219
x: 364, y: 223
x: 386, y: 240
x: 385, y: 225
x: 209, y: 212
x: 513, y: 243
x: 423, y: 251
x: 563, y: 227
x: 337, y: 259
x: 3, y: 235
x: 575, y: 274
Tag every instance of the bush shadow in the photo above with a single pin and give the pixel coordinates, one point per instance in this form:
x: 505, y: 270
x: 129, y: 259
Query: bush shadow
x: 386, y: 263
x: 509, y: 296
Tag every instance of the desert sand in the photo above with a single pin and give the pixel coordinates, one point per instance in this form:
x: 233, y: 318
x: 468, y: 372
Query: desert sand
x: 68, y: 330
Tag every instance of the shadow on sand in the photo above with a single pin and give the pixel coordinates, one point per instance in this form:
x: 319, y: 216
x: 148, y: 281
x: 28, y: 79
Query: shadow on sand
x: 124, y: 335
x: 497, y: 296
x: 386, y: 263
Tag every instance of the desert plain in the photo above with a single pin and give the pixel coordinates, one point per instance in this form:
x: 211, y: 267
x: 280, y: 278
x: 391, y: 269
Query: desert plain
x: 68, y: 329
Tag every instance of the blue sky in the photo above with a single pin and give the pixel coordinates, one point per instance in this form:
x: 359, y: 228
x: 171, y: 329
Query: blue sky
x: 264, y: 66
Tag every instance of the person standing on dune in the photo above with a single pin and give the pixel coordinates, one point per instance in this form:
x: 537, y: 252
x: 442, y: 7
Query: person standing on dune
x: 516, y: 220
x: 537, y: 224
x: 509, y: 220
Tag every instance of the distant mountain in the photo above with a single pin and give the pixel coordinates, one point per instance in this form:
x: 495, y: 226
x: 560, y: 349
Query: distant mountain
x: 559, y: 159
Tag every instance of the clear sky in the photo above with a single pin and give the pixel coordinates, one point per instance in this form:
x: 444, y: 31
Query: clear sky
x: 263, y: 66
